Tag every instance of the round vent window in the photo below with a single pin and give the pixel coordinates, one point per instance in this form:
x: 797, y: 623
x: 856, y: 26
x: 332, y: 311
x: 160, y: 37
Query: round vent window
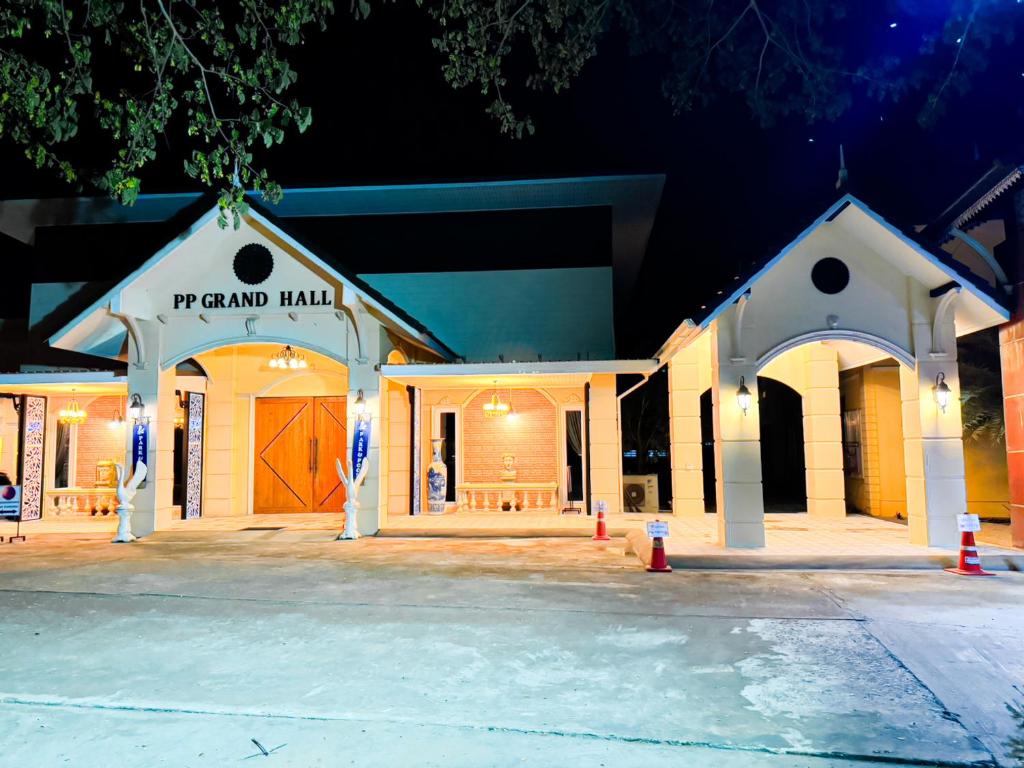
x: 253, y: 263
x: 830, y: 275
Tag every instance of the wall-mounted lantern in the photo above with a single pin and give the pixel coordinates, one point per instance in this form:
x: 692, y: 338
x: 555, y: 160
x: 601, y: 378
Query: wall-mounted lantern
x: 743, y: 396
x: 941, y: 391
x: 136, y: 408
x: 360, y: 405
x: 117, y: 422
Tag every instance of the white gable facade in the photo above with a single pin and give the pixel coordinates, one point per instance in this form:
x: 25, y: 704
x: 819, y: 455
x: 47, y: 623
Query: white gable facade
x: 849, y: 291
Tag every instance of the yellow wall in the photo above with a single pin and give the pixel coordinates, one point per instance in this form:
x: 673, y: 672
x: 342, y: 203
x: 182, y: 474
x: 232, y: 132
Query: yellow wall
x: 399, y: 445
x: 988, y: 483
x: 605, y: 445
x: 881, y: 490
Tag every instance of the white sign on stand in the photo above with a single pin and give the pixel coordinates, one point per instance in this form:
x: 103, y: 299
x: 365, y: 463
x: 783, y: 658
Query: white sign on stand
x: 10, y: 501
x: 968, y: 523
x: 657, y: 529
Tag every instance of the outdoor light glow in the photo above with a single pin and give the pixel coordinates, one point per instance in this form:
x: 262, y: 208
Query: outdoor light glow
x: 360, y: 405
x: 743, y: 396
x: 892, y: 25
x: 942, y: 391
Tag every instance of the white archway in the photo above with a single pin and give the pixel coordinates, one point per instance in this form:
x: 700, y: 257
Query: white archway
x: 232, y: 341
x: 835, y: 334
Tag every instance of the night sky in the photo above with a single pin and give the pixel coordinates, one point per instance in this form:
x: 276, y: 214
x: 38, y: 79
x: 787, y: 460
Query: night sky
x: 735, y: 192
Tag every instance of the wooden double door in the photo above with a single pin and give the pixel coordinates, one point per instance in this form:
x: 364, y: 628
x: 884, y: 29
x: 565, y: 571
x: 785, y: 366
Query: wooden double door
x: 297, y: 440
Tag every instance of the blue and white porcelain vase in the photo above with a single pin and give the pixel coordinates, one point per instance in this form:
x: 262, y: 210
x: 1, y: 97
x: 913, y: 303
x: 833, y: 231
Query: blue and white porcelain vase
x: 437, y: 479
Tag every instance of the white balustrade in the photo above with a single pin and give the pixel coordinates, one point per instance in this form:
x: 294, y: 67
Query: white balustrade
x: 507, y: 496
x: 80, y: 502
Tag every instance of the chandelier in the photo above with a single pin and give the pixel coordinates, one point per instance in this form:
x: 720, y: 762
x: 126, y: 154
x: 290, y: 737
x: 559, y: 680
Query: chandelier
x: 72, y: 413
x: 495, y: 407
x: 288, y: 358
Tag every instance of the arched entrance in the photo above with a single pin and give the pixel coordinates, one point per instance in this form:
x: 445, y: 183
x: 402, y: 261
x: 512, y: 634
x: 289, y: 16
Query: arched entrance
x: 784, y: 484
x: 274, y: 429
x: 783, y: 476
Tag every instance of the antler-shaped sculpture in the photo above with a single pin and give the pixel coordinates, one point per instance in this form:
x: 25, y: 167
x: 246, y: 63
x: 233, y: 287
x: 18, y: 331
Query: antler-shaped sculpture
x: 352, y: 485
x: 125, y: 493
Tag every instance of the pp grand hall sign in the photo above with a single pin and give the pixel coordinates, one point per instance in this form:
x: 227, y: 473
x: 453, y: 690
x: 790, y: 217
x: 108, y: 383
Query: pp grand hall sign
x: 286, y: 299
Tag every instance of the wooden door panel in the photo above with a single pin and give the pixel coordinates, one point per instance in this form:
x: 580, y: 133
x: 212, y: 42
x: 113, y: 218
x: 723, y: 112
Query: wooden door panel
x: 283, y: 477
x: 330, y: 440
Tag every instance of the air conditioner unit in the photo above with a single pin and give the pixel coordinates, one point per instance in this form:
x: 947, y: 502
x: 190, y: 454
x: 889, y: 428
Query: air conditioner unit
x: 640, y: 493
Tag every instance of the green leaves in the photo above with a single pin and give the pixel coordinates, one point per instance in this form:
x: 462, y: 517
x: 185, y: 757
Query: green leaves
x: 784, y: 58
x: 213, y: 71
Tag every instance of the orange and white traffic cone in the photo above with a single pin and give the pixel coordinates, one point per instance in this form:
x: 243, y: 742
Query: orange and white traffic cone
x: 970, y: 561
x: 602, y: 528
x: 659, y: 563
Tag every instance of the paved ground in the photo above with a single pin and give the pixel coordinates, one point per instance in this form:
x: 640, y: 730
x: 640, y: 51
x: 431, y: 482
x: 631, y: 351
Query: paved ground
x: 178, y: 651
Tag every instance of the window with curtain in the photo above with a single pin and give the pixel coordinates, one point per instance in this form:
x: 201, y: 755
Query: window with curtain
x: 61, y: 455
x: 574, y: 455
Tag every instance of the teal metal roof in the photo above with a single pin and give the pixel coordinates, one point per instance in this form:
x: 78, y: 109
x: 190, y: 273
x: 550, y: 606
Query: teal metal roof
x: 633, y: 200
x: 550, y: 314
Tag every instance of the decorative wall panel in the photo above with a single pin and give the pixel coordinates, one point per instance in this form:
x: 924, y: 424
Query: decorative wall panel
x: 196, y: 413
x: 33, y: 411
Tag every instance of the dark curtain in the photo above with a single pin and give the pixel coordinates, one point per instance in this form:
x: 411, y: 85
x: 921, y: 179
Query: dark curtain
x: 60, y: 462
x: 574, y: 454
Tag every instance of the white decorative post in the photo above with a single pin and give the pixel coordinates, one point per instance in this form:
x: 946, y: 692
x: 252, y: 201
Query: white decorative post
x: 352, y: 485
x: 125, y: 493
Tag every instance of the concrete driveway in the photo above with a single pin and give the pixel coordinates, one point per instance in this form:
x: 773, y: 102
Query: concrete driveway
x: 182, y: 650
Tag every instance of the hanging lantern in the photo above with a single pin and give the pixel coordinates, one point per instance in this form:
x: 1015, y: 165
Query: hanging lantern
x: 288, y: 358
x: 941, y: 391
x: 743, y: 396
x: 136, y: 408
x: 72, y: 413
x: 495, y: 407
x: 360, y: 405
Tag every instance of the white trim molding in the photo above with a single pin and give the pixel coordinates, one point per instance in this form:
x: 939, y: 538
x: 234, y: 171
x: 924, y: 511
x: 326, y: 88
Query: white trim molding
x: 839, y: 334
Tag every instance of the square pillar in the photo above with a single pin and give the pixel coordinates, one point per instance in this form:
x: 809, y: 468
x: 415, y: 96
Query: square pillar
x: 933, y: 448
x: 363, y: 376
x: 686, y: 450
x: 153, y: 502
x: 737, y: 450
x: 605, y: 444
x: 823, y: 434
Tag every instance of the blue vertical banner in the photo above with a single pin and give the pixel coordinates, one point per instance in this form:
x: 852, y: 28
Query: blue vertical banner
x: 140, y: 446
x: 360, y: 445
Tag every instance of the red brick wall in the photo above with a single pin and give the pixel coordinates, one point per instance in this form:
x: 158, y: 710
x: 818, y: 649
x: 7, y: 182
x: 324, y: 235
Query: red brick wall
x: 96, y: 440
x: 532, y: 438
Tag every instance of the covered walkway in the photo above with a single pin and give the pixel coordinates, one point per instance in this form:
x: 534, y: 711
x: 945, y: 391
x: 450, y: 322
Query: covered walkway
x: 792, y: 540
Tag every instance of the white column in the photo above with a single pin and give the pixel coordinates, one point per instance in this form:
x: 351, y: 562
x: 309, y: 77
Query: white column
x: 153, y: 507
x: 363, y: 375
x: 823, y: 433
x: 933, y: 440
x: 737, y: 450
x: 684, y: 392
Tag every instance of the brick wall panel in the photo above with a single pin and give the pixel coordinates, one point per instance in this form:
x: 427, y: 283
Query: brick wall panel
x: 532, y: 438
